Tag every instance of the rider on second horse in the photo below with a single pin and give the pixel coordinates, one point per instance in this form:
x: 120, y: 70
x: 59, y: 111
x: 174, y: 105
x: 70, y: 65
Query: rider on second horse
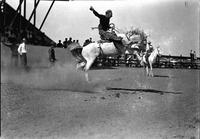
x: 148, y: 51
x: 104, y: 27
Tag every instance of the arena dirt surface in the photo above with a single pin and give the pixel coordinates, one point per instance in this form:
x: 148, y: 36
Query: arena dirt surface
x: 120, y: 103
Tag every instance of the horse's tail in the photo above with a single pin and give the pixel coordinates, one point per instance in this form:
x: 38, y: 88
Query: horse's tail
x: 77, y: 54
x: 76, y: 51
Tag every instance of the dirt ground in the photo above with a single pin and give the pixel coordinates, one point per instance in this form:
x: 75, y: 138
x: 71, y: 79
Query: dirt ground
x: 119, y: 103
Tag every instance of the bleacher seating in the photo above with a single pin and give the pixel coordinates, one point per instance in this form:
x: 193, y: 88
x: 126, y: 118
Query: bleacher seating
x: 20, y: 28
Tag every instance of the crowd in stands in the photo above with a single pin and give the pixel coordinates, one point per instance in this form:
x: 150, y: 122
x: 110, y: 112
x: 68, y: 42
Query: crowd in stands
x: 87, y: 41
x: 16, y: 35
x: 69, y: 40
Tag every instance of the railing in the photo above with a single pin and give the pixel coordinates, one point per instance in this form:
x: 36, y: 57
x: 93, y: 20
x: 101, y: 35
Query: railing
x: 161, y: 62
x: 18, y: 30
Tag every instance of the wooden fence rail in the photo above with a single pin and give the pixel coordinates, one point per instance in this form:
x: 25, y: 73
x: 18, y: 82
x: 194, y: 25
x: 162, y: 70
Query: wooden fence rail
x: 164, y: 61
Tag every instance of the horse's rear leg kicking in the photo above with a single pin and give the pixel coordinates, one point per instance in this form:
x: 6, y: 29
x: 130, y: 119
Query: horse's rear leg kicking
x: 80, y: 65
x: 87, y: 67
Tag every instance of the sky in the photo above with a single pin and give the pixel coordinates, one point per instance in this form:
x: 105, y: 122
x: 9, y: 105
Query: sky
x: 171, y: 24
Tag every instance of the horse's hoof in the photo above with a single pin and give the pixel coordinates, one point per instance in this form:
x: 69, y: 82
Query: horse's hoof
x: 88, y: 81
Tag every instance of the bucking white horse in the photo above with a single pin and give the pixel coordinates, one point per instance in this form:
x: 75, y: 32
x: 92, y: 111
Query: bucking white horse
x: 86, y: 55
x: 148, y: 63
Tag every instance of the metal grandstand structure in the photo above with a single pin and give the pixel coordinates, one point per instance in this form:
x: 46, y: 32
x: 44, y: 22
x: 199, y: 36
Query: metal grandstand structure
x: 14, y: 24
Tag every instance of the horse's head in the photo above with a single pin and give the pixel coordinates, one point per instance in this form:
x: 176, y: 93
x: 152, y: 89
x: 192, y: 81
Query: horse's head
x: 158, y: 50
x: 128, y: 38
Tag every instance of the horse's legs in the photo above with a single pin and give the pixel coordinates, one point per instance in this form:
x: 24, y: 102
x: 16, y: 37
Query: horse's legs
x: 151, y: 69
x: 147, y: 70
x: 87, y: 67
x: 87, y: 76
x: 80, y: 65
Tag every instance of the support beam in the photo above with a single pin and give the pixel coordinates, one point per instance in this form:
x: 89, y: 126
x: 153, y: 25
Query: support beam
x: 25, y: 9
x: 33, y: 10
x: 34, y: 18
x: 46, y: 15
x: 18, y: 8
x: 20, y: 11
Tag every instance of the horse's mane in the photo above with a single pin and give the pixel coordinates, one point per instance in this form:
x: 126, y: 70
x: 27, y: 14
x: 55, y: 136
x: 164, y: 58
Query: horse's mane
x: 133, y: 31
x: 139, y: 32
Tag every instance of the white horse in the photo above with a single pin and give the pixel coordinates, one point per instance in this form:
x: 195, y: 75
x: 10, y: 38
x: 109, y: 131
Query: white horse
x: 151, y: 59
x: 90, y: 52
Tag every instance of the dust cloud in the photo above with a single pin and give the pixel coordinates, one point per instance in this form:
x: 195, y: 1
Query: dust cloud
x: 41, y: 75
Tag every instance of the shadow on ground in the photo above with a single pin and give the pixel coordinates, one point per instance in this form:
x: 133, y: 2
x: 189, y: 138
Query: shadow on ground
x: 143, y: 90
x: 163, y: 76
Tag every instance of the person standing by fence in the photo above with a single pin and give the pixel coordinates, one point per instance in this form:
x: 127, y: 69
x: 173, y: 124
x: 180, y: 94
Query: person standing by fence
x: 22, y: 50
x: 191, y: 59
x: 52, y: 57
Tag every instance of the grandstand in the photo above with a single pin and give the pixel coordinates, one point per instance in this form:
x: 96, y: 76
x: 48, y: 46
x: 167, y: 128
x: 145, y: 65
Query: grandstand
x: 14, y: 26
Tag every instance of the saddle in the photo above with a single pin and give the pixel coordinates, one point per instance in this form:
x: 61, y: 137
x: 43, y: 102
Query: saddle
x: 118, y: 44
x: 103, y: 41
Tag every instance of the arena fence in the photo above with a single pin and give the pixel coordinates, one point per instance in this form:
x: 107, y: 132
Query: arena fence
x: 163, y: 61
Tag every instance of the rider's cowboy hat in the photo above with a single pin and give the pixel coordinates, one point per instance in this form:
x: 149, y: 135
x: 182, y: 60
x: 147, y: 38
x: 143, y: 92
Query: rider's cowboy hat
x: 108, y: 11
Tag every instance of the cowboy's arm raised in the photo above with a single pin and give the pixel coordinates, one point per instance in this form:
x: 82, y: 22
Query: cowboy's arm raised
x: 95, y: 12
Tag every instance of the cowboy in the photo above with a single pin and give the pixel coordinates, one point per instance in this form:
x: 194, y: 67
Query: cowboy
x: 149, y: 47
x: 104, y: 27
x: 149, y: 50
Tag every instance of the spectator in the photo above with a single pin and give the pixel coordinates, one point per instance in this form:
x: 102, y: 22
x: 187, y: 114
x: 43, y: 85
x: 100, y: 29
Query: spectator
x: 191, y: 56
x: 59, y: 44
x: 86, y: 42
x: 194, y: 61
x: 52, y: 57
x: 65, y: 43
x: 77, y: 41
x: 22, y: 50
x: 195, y: 56
x: 90, y: 40
x: 69, y: 41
